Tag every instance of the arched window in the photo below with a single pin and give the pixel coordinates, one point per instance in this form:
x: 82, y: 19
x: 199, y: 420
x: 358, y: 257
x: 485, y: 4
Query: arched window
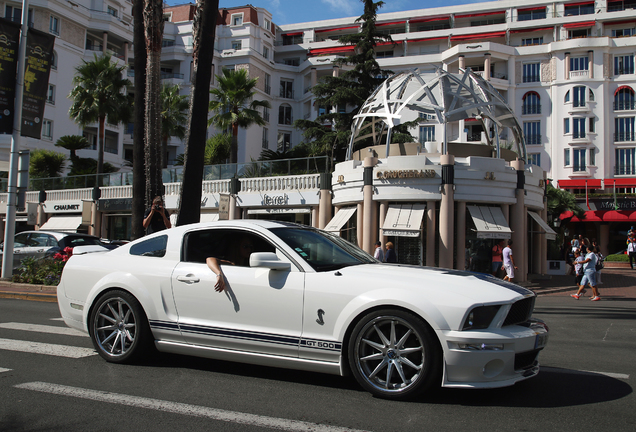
x: 624, y: 98
x: 567, y: 97
x: 531, y: 103
x: 285, y: 114
x: 54, y: 60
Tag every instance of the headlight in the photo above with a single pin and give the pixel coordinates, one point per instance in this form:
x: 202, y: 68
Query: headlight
x: 480, y: 317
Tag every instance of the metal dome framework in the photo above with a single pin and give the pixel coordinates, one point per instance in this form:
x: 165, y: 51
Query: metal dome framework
x: 447, y: 97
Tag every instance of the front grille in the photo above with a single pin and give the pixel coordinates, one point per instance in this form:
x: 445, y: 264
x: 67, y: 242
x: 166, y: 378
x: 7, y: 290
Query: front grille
x: 526, y: 360
x: 520, y: 311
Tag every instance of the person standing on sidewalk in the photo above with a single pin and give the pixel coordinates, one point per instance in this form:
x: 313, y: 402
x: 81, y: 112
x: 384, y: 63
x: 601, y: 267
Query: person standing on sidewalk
x: 497, y: 257
x: 379, y: 252
x: 631, y: 251
x: 508, y: 262
x: 589, y: 277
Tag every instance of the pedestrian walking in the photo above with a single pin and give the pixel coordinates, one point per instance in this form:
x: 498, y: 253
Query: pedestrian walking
x: 390, y: 256
x: 578, y: 266
x: 379, y: 252
x: 508, y: 262
x: 497, y: 257
x: 631, y: 251
x: 589, y: 277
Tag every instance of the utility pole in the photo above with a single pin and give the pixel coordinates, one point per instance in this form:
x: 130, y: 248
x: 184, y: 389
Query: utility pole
x: 12, y: 189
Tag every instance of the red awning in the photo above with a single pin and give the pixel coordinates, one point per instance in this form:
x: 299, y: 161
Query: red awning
x: 332, y: 50
x: 602, y: 216
x: 621, y: 182
x: 294, y: 34
x: 478, y: 14
x: 389, y: 43
x: 336, y: 29
x: 531, y: 9
x: 579, y: 24
x: 623, y: 87
x: 427, y: 39
x: 580, y: 184
x: 390, y: 23
x: 527, y: 30
x: 628, y: 21
x: 478, y: 36
x: 421, y: 20
x: 579, y: 3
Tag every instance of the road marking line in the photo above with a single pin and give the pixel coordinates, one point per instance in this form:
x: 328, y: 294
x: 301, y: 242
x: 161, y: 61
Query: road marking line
x: 67, y: 331
x: 44, y: 348
x: 57, y: 319
x: 4, y: 370
x: 582, y: 372
x: 181, y: 408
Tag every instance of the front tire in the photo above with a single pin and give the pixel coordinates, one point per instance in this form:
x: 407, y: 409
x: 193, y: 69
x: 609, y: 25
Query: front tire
x: 394, y: 354
x: 119, y: 328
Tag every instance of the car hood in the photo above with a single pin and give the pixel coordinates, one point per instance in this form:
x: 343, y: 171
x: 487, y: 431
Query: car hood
x: 473, y: 287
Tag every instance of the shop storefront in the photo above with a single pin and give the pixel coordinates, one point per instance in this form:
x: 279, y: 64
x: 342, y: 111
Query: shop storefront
x: 67, y: 216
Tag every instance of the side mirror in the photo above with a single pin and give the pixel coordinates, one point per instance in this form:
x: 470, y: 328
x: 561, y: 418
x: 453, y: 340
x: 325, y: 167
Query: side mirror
x: 268, y: 260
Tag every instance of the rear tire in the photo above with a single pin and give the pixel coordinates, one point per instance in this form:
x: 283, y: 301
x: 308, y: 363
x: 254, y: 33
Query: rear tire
x: 119, y: 328
x: 394, y: 354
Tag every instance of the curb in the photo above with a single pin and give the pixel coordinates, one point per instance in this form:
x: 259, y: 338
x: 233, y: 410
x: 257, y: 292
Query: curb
x: 33, y: 296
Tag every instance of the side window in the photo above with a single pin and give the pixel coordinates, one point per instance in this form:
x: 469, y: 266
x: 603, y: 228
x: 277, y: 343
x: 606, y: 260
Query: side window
x: 20, y: 240
x: 154, y: 247
x: 228, y: 245
x: 37, y: 240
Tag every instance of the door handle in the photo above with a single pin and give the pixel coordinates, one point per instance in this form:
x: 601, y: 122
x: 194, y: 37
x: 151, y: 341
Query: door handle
x: 189, y: 279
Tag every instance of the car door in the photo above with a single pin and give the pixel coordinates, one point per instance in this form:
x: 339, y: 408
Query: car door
x: 261, y: 309
x: 20, y: 248
x: 38, y: 244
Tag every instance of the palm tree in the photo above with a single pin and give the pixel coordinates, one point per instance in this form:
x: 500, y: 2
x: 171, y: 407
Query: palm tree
x: 73, y: 143
x: 46, y: 163
x: 234, y: 105
x: 203, y: 33
x: 98, y: 94
x: 173, y: 117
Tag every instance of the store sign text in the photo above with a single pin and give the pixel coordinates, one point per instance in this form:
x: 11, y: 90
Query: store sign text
x: 406, y: 174
x: 278, y: 200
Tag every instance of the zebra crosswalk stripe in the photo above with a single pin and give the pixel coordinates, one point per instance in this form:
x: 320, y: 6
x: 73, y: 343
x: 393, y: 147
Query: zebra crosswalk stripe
x: 66, y: 331
x: 45, y: 348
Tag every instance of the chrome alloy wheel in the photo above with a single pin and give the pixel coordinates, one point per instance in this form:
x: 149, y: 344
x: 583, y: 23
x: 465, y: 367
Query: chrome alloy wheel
x: 115, y: 326
x: 390, y: 354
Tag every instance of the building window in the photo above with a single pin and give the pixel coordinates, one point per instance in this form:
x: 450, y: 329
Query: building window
x: 284, y: 141
x: 50, y: 94
x: 579, y: 162
x: 237, y: 19
x: 591, y: 124
x: 47, y: 129
x: 625, y: 161
x: 267, y: 25
x: 580, y: 9
x: 295, y: 39
x: 579, y: 96
x: 266, y: 52
x: 566, y: 125
x: 534, y: 159
x: 266, y: 114
x: 531, y: 72
x: 110, y: 145
x: 15, y: 14
x: 532, y: 41
x: 112, y: 11
x: 532, y: 132
x: 620, y: 5
x: 291, y: 61
x: 237, y: 45
x: 54, y: 25
x: 624, y: 129
x: 566, y: 157
x: 531, y: 103
x: 579, y: 33
x: 533, y: 14
x: 286, y: 89
x: 436, y: 25
x: 624, y: 99
x: 593, y: 156
x: 427, y: 133
x: 54, y: 60
x: 579, y: 63
x: 384, y: 54
x: 268, y: 84
x: 624, y: 65
x: 285, y: 114
x: 265, y: 143
x: 490, y: 21
x: 578, y: 127
x: 623, y: 32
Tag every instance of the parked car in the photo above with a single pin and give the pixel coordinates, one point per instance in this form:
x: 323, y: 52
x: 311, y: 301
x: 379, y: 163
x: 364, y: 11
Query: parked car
x: 38, y: 244
x: 302, y: 298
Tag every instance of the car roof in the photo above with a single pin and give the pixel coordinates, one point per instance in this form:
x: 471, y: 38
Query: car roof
x: 58, y: 234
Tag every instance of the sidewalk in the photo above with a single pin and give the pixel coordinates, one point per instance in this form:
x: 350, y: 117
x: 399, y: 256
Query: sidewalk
x: 618, y: 283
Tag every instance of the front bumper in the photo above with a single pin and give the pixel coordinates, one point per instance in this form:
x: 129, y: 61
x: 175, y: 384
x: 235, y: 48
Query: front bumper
x: 489, y: 359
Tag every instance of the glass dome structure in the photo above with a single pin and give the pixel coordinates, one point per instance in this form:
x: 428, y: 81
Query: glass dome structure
x: 435, y: 95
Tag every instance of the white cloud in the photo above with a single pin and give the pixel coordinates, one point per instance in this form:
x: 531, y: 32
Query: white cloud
x: 349, y: 7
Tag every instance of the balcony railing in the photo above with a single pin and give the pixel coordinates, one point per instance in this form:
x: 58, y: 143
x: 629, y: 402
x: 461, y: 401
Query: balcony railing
x: 531, y: 78
x: 624, y: 106
x: 168, y: 75
x: 531, y: 109
x: 624, y: 170
x: 624, y: 136
x: 286, y: 94
x: 533, y: 139
x: 309, y: 165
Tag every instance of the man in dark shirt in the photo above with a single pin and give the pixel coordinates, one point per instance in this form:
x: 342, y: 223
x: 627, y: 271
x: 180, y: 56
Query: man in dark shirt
x: 156, y: 217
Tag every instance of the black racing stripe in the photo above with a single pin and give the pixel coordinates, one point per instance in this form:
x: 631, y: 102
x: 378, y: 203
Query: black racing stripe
x: 238, y: 334
x: 168, y: 325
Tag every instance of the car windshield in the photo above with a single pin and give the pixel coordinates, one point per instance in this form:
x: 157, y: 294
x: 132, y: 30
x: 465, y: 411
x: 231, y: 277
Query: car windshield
x: 321, y: 250
x: 73, y: 241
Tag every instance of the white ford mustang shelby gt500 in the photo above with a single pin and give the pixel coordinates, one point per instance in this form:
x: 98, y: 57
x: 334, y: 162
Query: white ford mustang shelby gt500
x: 301, y: 298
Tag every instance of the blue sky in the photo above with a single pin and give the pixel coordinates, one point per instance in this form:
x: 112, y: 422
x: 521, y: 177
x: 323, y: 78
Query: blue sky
x: 297, y: 11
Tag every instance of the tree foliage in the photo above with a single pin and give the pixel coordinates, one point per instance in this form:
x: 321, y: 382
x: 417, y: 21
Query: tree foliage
x: 234, y: 105
x: 46, y: 163
x: 72, y: 143
x: 174, y: 116
x: 98, y: 95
